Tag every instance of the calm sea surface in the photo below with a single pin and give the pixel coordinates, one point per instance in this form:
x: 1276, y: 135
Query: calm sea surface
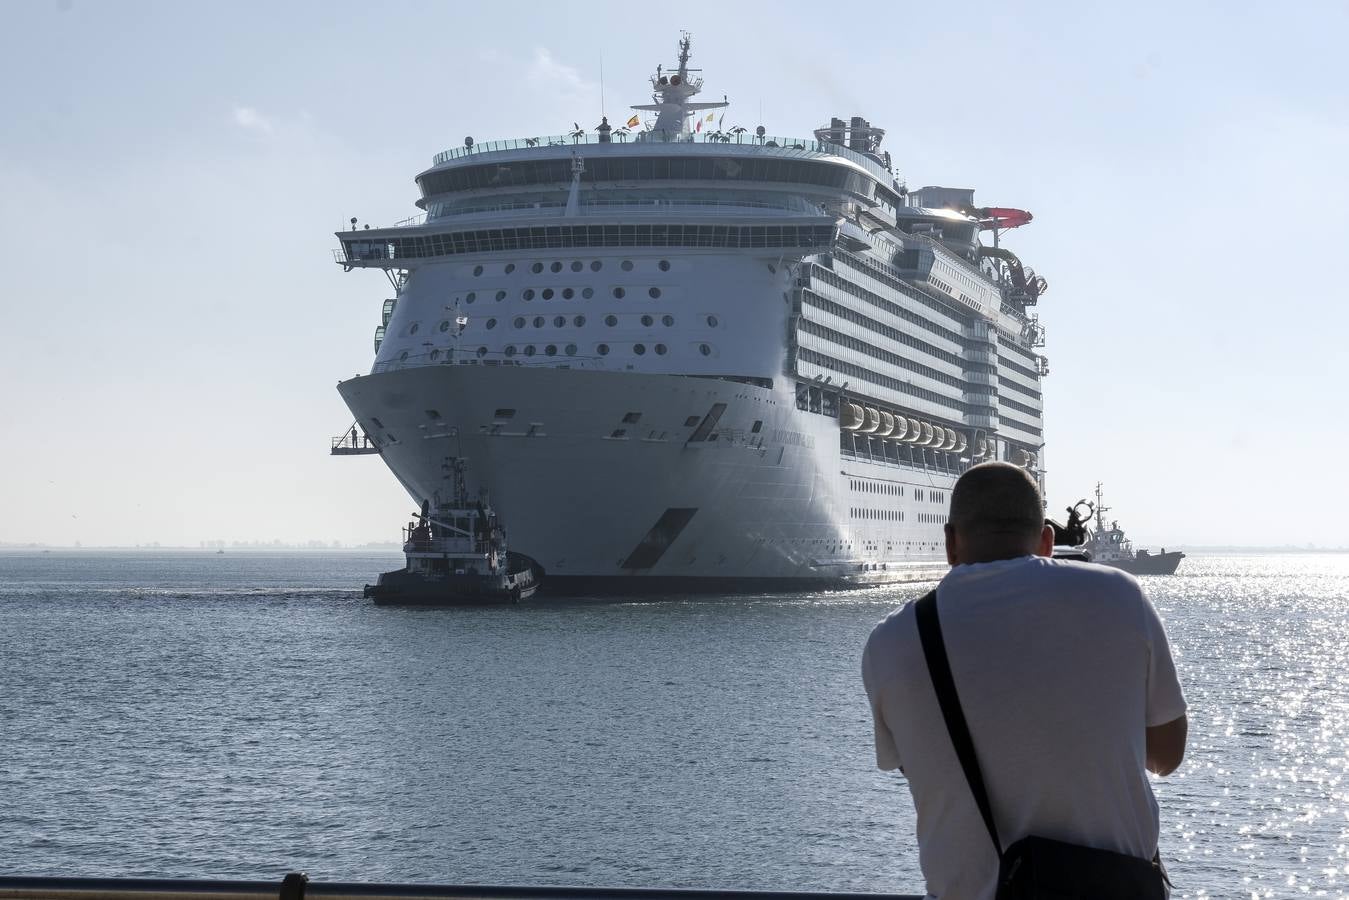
x: 245, y: 714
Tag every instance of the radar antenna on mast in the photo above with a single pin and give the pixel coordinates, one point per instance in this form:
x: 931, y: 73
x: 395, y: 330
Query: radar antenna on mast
x: 671, y: 96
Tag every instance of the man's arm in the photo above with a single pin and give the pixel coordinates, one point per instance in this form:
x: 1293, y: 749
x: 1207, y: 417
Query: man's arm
x: 1166, y: 746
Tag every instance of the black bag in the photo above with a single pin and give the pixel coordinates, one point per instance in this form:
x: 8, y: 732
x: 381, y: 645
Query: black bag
x: 1033, y: 868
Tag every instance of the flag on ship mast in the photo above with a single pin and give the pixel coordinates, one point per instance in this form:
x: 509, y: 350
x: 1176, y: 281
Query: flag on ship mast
x: 711, y: 116
x: 633, y: 122
x: 698, y: 126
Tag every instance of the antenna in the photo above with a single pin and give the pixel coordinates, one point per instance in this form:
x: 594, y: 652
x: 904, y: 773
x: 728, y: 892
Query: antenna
x: 602, y: 110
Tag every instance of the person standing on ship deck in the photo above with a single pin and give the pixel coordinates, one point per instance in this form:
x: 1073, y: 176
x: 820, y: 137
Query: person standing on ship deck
x: 1067, y: 683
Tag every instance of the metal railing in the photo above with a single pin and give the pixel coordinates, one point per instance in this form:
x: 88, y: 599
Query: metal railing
x: 296, y: 886
x: 778, y: 146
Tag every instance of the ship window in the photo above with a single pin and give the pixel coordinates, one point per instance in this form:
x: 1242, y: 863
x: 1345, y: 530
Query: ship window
x: 432, y: 414
x: 403, y: 355
x: 536, y: 268
x: 660, y: 349
x: 619, y: 292
x: 501, y: 295
x: 556, y: 267
x: 477, y: 270
x: 618, y: 432
x: 587, y: 293
x: 705, y: 350
x: 559, y: 321
x: 482, y: 351
x: 579, y: 321
x: 416, y: 327
x: 647, y: 320
x: 548, y: 293
x: 611, y: 321
x: 576, y: 265
x: 667, y: 321
x: 653, y: 293
x: 665, y: 265
x: 435, y: 354
x: 632, y: 418
x: 691, y: 421
x: 538, y: 321
x: 627, y: 265
x: 571, y: 350
x: 519, y: 322
x: 639, y: 349
x: 510, y: 267
x: 445, y: 326
x: 528, y: 294
x: 377, y: 423
x: 472, y: 295
x: 491, y: 323
x: 757, y: 427
x: 510, y: 349
x: 602, y: 349
x: 568, y: 293
x: 550, y: 350
x: 596, y: 265
x: 529, y: 350
x: 711, y: 321
x: 504, y: 414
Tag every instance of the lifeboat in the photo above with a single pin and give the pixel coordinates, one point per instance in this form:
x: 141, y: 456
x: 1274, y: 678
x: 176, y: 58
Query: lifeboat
x: 1020, y: 457
x: 850, y: 417
x: 901, y: 429
x: 924, y: 433
x: 887, y: 425
x: 961, y: 442
x: 872, y: 421
x: 915, y: 431
x: 950, y: 442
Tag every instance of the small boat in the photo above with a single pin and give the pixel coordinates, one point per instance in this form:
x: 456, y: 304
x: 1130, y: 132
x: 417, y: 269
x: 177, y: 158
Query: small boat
x: 1109, y: 547
x: 456, y: 555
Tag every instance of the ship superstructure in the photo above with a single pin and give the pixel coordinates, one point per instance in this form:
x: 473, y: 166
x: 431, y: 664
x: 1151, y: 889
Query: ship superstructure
x: 695, y: 356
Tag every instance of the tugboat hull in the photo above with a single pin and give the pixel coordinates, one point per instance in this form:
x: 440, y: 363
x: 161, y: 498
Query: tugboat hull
x: 1145, y: 563
x: 404, y: 588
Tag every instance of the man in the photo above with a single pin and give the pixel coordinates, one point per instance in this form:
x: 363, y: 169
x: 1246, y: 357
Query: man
x: 1066, y: 680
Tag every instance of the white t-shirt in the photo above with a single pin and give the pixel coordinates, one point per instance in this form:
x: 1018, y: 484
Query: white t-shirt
x: 1059, y: 667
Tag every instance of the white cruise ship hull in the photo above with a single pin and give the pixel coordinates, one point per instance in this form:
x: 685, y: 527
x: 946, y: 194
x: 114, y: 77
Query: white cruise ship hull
x: 634, y: 482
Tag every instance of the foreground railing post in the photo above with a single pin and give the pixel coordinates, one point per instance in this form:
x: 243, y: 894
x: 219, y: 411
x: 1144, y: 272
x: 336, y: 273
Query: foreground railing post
x: 293, y: 885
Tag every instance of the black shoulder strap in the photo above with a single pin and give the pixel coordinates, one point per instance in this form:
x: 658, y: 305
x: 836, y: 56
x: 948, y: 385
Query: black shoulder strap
x: 934, y: 650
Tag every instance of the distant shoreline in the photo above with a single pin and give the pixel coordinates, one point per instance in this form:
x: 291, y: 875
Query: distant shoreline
x: 1214, y: 550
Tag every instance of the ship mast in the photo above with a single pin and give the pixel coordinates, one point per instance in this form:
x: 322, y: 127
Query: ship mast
x: 672, y: 95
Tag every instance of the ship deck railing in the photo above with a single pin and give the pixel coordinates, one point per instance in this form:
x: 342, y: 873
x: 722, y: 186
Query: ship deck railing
x: 636, y: 207
x: 296, y: 886
x: 350, y: 443
x: 747, y: 141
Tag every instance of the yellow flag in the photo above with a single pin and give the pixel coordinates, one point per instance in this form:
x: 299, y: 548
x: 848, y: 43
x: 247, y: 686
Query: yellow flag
x: 633, y: 122
x: 711, y: 117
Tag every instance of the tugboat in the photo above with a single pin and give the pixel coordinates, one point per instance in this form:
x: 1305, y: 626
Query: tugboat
x: 456, y: 555
x: 1109, y: 547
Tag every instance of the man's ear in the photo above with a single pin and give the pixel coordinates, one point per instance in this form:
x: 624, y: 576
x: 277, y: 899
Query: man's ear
x: 1046, y: 547
x: 952, y: 545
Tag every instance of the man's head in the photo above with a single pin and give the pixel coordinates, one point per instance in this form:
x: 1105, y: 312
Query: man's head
x: 996, y: 513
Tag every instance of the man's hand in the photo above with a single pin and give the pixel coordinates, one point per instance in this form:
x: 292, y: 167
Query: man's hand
x: 1166, y: 746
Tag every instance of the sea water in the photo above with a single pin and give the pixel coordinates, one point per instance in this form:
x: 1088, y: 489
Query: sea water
x: 244, y: 714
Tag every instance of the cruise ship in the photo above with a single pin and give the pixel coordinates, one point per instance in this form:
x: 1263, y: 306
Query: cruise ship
x: 685, y: 355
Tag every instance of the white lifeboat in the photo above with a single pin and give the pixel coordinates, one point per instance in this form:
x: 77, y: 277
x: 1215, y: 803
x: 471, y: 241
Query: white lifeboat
x: 961, y: 442
x: 901, y: 429
x: 925, y: 433
x: 950, y: 442
x: 872, y: 422
x: 915, y: 431
x: 850, y: 417
x: 887, y: 425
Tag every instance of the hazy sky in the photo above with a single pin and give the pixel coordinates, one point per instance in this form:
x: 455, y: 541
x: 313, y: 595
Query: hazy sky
x: 171, y: 175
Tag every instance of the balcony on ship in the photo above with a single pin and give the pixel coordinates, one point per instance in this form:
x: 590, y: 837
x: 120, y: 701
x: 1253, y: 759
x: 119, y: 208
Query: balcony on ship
x: 353, y: 442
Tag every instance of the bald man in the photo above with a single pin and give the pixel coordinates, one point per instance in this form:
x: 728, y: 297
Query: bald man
x: 1066, y: 680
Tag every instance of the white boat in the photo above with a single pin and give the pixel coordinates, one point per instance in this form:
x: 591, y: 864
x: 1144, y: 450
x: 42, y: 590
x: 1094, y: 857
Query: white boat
x: 688, y: 355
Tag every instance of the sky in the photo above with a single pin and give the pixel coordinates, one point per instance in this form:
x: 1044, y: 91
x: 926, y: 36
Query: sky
x: 171, y: 175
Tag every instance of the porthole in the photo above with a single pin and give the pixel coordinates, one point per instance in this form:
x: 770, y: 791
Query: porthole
x: 647, y: 320
x: 639, y: 349
x: 587, y: 293
x: 618, y: 293
x: 571, y: 350
x: 519, y: 322
x: 444, y: 326
x: 667, y: 321
x: 627, y: 265
x: 435, y: 354
x: 712, y: 321
x: 576, y: 265
x: 705, y: 350
x: 579, y: 321
x: 536, y: 268
x: 403, y: 355
x: 510, y: 267
x: 550, y: 350
x: 596, y: 265
x: 482, y: 351
x: 501, y: 295
x: 416, y: 327
x: 529, y: 350
x: 568, y: 293
x: 660, y: 349
x: 556, y: 266
x: 611, y: 321
x: 602, y: 350
x: 538, y: 321
x: 491, y: 323
x: 559, y: 321
x: 477, y: 270
x: 528, y: 294
x: 665, y: 265
x: 653, y: 293
x: 548, y: 293
x: 472, y: 295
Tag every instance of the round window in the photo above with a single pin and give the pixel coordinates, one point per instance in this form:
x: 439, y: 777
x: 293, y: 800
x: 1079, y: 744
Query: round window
x: 444, y: 326
x: 618, y: 293
x: 510, y: 349
x: 712, y: 321
x: 660, y: 349
x: 596, y: 265
x: 667, y: 321
x: 568, y: 293
x: 510, y: 267
x: 653, y: 293
x: 538, y: 321
x: 491, y: 323
x: 705, y: 350
x: 579, y: 321
x: 482, y: 351
x: 548, y: 293
x: 556, y: 267
x: 627, y: 265
x: 528, y: 294
x: 519, y: 322
x: 416, y: 327
x: 639, y: 349
x: 665, y: 265
x: 536, y: 268
x: 576, y: 265
x: 647, y: 320
x: 559, y: 321
x: 602, y: 350
x: 571, y: 349
x: 587, y: 293
x: 550, y: 350
x: 471, y: 297
x: 529, y: 351
x: 611, y: 321
x: 477, y: 270
x: 501, y: 295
